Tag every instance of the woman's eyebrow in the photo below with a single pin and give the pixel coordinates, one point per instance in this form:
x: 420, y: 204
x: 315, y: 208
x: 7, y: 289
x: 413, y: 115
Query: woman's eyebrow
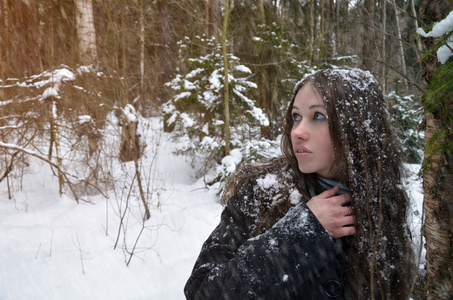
x: 311, y: 107
x: 315, y: 106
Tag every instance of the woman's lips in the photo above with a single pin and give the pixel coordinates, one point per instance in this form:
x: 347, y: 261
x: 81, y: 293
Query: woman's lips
x: 301, y: 152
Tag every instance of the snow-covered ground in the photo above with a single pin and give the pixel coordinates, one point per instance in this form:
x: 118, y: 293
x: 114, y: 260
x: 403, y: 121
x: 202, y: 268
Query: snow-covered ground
x: 53, y: 248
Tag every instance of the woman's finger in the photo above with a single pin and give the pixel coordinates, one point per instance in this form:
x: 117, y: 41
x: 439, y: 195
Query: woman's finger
x: 349, y: 210
x: 328, y: 193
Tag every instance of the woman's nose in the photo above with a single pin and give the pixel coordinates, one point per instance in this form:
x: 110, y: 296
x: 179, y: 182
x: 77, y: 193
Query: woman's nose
x: 300, y: 131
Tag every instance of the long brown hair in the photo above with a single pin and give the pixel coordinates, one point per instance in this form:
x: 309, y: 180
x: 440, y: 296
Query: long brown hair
x: 369, y: 155
x: 381, y: 260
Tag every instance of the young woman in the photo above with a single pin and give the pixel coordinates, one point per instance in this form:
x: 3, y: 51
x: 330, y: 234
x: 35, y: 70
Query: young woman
x: 327, y: 220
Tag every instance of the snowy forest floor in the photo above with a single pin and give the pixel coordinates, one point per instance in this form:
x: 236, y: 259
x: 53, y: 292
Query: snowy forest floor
x: 53, y: 248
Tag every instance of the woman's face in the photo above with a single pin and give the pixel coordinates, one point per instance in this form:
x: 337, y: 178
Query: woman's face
x: 310, y: 135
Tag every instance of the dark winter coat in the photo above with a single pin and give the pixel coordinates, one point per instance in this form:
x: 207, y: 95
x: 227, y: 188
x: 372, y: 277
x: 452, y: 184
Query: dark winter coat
x: 295, y: 259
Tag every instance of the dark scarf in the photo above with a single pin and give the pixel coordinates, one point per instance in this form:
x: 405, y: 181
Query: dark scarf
x: 328, y: 184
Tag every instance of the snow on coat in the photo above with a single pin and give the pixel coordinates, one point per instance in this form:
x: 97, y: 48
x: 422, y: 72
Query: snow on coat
x: 294, y: 259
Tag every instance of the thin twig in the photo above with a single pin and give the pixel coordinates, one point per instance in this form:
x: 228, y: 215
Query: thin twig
x: 9, y: 168
x: 142, y: 193
x: 51, y: 244
x: 131, y: 254
x: 32, y: 153
x: 399, y: 72
x: 124, y: 214
x: 81, y: 254
x: 37, y: 252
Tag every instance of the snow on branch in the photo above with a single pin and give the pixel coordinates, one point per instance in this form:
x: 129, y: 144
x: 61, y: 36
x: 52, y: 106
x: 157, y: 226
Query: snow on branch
x: 439, y: 29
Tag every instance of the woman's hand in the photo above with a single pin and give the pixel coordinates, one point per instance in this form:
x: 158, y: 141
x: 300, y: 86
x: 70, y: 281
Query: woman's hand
x: 330, y: 210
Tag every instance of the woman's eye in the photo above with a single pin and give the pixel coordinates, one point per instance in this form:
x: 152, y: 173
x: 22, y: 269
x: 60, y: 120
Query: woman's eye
x: 319, y: 116
x: 296, y: 117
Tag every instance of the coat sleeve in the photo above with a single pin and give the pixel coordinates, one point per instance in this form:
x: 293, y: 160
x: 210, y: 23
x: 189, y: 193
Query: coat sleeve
x: 296, y: 257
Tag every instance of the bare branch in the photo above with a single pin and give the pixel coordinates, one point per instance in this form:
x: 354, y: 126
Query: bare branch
x: 34, y: 154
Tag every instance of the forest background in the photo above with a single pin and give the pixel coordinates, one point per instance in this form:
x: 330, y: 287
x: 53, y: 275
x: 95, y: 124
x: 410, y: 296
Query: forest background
x: 79, y: 79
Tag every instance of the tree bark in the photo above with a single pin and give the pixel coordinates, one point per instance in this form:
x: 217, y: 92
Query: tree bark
x: 130, y: 141
x: 27, y: 47
x: 367, y: 34
x: 142, y: 49
x: 164, y: 54
x: 124, y: 61
x: 418, y: 42
x: 262, y: 87
x: 226, y: 86
x: 400, y: 43
x: 438, y: 226
x: 206, y: 17
x: 384, y: 50
x: 312, y: 32
x: 211, y: 17
x: 86, y: 31
x: 437, y: 186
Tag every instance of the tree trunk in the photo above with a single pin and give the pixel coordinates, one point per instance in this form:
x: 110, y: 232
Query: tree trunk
x: 27, y: 47
x: 437, y: 186
x: 142, y: 49
x: 206, y: 18
x: 367, y: 34
x: 262, y: 86
x: 327, y: 40
x: 125, y: 78
x: 414, y: 13
x: 5, y: 43
x: 165, y: 59
x: 226, y: 86
x: 438, y: 227
x: 312, y: 32
x: 384, y: 51
x: 130, y: 141
x: 322, y: 28
x: 86, y: 31
x: 400, y: 43
x: 211, y: 17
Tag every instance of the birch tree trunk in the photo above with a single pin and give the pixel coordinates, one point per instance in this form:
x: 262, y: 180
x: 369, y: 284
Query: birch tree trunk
x: 86, y: 31
x: 437, y: 185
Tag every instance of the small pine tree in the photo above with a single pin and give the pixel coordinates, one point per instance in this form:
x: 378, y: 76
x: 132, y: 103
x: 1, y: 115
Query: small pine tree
x: 407, y: 118
x: 195, y: 112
